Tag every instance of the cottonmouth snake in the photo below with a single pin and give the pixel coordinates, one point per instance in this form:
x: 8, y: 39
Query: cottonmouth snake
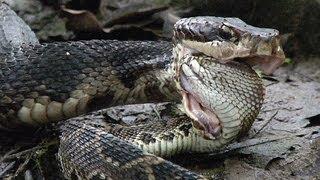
x: 208, y: 68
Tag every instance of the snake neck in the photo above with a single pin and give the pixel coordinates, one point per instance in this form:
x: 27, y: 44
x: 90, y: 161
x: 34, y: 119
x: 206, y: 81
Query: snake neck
x: 56, y: 81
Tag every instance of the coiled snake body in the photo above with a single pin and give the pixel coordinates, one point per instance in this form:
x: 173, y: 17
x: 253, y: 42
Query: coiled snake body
x: 208, y: 67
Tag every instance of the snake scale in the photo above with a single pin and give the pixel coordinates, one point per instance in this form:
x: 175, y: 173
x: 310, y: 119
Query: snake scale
x: 208, y: 68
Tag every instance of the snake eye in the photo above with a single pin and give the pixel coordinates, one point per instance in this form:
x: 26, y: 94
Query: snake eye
x: 225, y: 35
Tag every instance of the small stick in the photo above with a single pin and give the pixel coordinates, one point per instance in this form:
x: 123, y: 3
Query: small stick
x: 6, y: 169
x: 265, y: 124
x: 4, y: 157
x: 22, y: 166
x: 10, y: 156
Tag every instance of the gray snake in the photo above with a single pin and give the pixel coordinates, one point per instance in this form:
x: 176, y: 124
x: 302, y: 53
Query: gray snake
x: 208, y: 68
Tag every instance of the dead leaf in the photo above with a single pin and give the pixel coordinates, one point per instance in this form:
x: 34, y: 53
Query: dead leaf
x: 81, y: 20
x: 133, y: 13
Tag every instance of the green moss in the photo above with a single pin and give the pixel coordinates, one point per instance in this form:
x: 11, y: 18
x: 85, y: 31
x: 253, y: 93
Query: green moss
x: 288, y: 61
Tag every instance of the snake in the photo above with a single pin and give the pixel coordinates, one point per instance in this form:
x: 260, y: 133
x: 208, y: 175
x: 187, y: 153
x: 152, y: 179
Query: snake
x: 210, y: 67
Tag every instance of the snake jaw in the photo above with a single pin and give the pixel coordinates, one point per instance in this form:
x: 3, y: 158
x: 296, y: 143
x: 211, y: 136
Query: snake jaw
x: 203, y: 118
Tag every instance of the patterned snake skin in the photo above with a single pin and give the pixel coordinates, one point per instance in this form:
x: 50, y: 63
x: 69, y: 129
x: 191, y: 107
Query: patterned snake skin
x: 208, y: 67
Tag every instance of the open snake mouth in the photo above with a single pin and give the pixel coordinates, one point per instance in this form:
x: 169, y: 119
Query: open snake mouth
x: 203, y: 117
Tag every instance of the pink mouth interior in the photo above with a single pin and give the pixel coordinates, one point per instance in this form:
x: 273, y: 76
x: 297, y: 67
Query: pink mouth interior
x: 203, y: 119
x: 267, y: 64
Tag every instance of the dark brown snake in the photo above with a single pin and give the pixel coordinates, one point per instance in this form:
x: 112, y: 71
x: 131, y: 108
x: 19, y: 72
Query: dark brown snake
x: 208, y: 68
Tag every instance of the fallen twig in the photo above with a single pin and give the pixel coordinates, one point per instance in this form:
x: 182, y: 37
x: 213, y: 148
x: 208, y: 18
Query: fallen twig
x: 3, y: 158
x: 6, y: 169
x: 10, y: 156
x: 26, y: 155
x: 265, y: 124
x: 22, y: 166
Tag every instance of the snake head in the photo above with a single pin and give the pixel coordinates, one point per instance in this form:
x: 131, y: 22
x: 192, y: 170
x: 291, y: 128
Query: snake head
x: 226, y: 39
x: 214, y: 61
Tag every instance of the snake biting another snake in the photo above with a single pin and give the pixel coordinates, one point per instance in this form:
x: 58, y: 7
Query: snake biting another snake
x: 209, y: 68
